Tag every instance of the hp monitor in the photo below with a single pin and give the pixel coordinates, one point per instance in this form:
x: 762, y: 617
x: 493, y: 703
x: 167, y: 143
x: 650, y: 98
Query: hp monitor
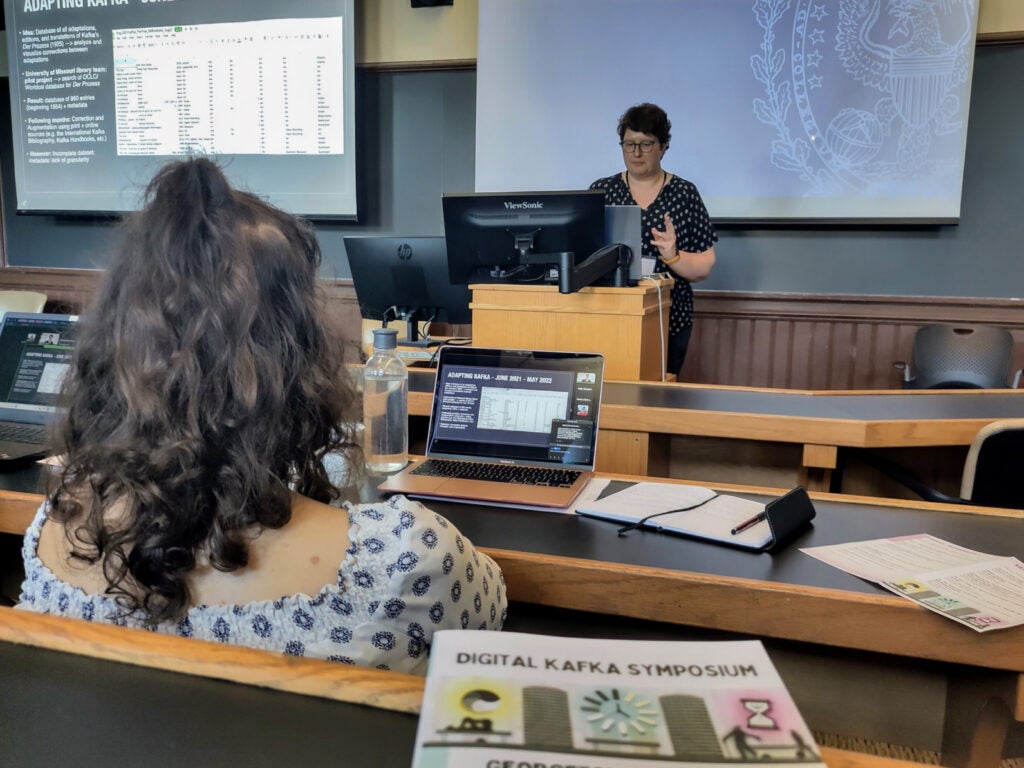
x: 406, y: 278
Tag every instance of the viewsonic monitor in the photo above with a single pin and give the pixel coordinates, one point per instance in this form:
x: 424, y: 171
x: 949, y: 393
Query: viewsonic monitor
x: 406, y: 278
x: 529, y: 237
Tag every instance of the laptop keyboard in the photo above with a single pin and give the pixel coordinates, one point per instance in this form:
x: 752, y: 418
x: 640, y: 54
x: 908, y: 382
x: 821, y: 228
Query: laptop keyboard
x: 498, y: 473
x: 38, y: 434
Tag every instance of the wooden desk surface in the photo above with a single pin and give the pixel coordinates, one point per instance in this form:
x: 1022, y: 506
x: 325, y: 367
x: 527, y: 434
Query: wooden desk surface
x: 563, y: 560
x: 572, y: 562
x: 637, y: 418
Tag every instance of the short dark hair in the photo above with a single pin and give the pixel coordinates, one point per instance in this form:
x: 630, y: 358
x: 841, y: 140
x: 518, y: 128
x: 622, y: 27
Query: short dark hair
x: 646, y: 118
x: 205, y: 387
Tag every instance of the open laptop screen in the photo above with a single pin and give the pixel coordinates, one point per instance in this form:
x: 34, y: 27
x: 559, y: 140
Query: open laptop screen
x: 35, y: 356
x: 516, y: 406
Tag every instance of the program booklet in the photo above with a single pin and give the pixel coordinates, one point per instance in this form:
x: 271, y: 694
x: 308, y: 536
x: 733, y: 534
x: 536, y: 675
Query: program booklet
x: 497, y: 699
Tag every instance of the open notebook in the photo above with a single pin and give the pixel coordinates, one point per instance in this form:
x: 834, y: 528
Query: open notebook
x: 511, y: 427
x: 702, y: 513
x: 35, y: 355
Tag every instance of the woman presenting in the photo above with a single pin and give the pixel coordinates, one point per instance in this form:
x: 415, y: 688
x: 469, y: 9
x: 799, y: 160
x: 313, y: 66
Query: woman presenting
x: 675, y: 226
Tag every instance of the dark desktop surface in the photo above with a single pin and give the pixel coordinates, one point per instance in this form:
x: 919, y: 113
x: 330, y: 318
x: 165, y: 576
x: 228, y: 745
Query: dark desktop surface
x: 880, y: 406
x: 569, y: 535
x: 836, y: 523
x: 26, y: 476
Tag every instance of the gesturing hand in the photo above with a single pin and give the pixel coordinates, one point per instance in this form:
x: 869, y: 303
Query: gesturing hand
x: 665, y: 241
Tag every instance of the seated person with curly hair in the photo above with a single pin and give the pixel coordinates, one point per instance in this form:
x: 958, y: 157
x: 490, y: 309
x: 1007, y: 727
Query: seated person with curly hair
x: 193, y: 499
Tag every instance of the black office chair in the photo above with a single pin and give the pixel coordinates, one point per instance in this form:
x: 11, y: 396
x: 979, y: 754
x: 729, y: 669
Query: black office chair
x: 992, y: 470
x: 959, y: 357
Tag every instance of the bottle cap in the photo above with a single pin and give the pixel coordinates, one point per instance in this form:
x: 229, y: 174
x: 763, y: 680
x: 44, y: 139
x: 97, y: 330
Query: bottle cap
x: 385, y: 338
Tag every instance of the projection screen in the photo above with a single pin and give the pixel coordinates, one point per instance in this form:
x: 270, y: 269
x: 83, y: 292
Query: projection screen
x: 782, y: 110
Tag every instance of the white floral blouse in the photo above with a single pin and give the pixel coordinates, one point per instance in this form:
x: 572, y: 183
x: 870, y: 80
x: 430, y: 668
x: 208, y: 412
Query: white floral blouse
x: 407, y: 573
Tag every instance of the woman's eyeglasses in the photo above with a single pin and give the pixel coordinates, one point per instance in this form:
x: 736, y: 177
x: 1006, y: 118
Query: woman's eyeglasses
x: 633, y: 146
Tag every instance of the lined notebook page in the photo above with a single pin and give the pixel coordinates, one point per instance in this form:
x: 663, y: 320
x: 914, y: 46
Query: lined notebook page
x: 714, y: 519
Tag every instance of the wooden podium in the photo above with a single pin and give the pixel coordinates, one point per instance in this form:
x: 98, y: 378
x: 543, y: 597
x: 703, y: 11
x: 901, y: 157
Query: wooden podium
x: 620, y: 323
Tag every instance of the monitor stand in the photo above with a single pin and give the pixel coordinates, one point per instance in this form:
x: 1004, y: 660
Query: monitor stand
x: 412, y: 335
x: 610, y: 260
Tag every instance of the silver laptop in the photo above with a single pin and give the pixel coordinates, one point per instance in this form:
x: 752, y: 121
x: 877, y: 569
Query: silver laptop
x: 510, y: 427
x: 35, y: 356
x: 622, y: 224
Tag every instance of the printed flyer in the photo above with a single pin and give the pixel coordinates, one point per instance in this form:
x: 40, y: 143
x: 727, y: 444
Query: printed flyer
x: 980, y: 591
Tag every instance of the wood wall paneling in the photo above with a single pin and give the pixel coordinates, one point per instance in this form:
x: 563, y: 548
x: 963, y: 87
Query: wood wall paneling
x: 67, y: 290
x: 804, y: 341
x: 787, y: 341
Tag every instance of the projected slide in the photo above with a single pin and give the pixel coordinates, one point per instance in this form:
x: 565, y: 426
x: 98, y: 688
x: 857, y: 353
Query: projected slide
x: 251, y: 88
x: 104, y: 93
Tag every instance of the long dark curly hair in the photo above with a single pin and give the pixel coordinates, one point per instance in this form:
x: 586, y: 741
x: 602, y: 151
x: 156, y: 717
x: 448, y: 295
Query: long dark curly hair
x: 205, y: 386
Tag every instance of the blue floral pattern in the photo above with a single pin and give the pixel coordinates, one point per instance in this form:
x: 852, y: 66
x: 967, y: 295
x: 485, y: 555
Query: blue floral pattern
x: 261, y: 626
x: 404, y: 571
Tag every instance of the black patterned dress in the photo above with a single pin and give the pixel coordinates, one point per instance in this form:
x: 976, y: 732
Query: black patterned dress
x: 695, y: 233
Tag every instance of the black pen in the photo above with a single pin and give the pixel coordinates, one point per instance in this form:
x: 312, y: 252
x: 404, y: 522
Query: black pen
x: 747, y: 523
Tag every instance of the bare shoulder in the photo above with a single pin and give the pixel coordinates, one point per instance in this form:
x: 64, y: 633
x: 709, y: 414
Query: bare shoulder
x: 309, y: 515
x: 301, y: 557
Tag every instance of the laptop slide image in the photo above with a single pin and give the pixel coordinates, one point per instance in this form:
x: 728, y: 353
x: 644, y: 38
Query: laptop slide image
x: 35, y: 356
x: 510, y: 427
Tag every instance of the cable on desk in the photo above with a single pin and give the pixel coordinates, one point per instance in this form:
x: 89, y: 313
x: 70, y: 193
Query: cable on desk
x: 661, y: 323
x: 457, y: 342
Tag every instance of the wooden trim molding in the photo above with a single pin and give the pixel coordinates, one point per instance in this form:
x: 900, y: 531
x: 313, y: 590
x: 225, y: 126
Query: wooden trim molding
x: 785, y: 611
x: 878, y: 308
x: 341, y: 682
x: 1000, y: 21
x: 391, y: 691
x: 67, y: 290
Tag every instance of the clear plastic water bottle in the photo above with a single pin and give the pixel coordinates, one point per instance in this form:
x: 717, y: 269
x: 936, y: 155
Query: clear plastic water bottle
x: 385, y: 405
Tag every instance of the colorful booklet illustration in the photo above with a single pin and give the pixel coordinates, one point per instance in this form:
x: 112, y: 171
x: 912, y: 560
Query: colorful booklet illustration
x: 700, y: 512
x: 518, y: 699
